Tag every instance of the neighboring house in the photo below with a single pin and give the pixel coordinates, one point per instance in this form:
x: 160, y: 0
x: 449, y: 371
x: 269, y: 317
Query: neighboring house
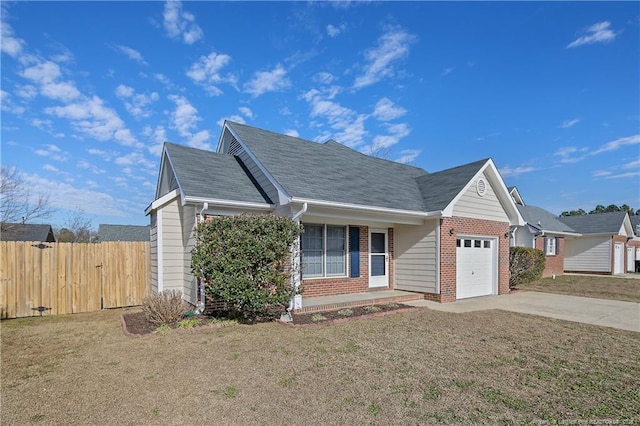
x: 369, y: 223
x: 26, y: 232
x: 124, y: 233
x: 633, y: 246
x: 602, y: 248
x: 544, y: 231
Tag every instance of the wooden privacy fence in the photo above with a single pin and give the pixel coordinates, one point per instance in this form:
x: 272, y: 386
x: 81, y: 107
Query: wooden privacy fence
x: 68, y: 278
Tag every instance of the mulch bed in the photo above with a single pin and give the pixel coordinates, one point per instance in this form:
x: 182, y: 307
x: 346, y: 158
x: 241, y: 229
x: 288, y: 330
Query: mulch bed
x: 136, y: 324
x: 341, y: 315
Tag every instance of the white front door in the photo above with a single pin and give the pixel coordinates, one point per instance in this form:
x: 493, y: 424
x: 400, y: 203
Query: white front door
x: 378, y: 258
x: 618, y: 258
x: 631, y: 261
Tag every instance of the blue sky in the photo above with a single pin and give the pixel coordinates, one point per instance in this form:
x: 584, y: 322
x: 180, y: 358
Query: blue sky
x: 549, y: 90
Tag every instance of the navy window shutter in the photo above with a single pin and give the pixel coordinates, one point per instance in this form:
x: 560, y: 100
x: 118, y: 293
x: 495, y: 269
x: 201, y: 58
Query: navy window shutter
x: 354, y: 252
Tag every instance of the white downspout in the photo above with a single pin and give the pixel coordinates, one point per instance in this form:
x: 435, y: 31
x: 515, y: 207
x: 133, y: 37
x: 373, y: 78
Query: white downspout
x: 297, y: 299
x: 201, y: 304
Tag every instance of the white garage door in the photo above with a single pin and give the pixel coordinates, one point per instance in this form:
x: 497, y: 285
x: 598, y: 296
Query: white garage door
x: 475, y: 272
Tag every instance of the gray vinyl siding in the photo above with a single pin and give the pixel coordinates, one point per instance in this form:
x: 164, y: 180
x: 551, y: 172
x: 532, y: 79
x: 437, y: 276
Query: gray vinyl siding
x: 172, y: 247
x: 188, y: 237
x: 259, y: 176
x: 588, y: 254
x: 474, y: 206
x: 154, y: 252
x: 415, y: 252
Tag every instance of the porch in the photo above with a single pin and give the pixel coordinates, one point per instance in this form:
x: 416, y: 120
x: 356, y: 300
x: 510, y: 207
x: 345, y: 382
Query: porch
x: 339, y: 301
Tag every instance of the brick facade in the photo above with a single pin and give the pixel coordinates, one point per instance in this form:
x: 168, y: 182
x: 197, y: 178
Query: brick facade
x: 313, y: 287
x: 554, y: 264
x: 469, y: 226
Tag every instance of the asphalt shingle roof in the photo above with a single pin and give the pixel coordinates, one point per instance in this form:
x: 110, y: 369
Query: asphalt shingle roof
x: 124, y: 232
x: 212, y: 175
x: 333, y: 172
x: 602, y: 223
x: 635, y: 223
x: 543, y: 220
x: 26, y: 232
x: 439, y: 189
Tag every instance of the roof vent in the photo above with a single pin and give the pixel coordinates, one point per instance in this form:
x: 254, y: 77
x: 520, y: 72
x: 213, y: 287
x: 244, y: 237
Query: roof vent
x: 481, y: 187
x: 234, y: 147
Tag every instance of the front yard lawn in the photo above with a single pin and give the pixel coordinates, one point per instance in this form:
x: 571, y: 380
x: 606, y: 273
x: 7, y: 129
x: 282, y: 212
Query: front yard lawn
x: 602, y: 287
x: 424, y: 367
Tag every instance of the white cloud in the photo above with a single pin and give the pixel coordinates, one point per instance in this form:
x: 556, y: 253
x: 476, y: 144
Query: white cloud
x: 408, y: 155
x: 90, y: 202
x: 267, y: 81
x: 46, y: 74
x: 180, y: 24
x: 136, y: 103
x: 9, y: 43
x: 199, y: 140
x: 235, y: 118
x: 334, y: 31
x: 615, y: 144
x: 42, y: 124
x: 384, y: 142
x: 347, y: 126
x: 508, y: 171
x: 132, y: 54
x: 7, y: 104
x: 101, y: 153
x: 597, y: 33
x: 26, y: 91
x: 185, y: 117
x: 323, y: 78
x: 50, y: 168
x: 246, y: 112
x: 91, y: 117
x: 571, y: 154
x: 206, y: 72
x: 135, y: 159
x: 158, y: 136
x: 601, y: 173
x: 623, y: 175
x: 292, y: 132
x: 392, y: 46
x: 632, y: 165
x: 386, y: 110
x: 84, y: 164
x: 53, y: 152
x: 447, y: 71
x: 569, y: 123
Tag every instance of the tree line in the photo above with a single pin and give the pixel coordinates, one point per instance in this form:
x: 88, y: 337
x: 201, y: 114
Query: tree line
x: 602, y: 209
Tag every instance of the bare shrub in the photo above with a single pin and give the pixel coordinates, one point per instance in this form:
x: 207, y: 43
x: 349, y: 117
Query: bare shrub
x: 164, y: 308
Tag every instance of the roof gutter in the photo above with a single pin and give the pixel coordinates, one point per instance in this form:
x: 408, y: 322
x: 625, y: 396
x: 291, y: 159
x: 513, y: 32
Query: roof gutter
x: 228, y: 203
x: 359, y: 207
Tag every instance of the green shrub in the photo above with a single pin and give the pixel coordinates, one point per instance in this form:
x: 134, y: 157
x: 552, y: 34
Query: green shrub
x: 164, y: 308
x: 526, y: 264
x: 245, y: 261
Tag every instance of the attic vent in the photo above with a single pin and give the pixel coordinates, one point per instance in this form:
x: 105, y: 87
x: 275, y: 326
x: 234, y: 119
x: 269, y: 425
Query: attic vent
x: 234, y: 147
x: 481, y: 187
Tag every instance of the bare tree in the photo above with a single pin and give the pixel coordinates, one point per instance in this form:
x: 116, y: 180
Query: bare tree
x: 17, y: 203
x: 77, y: 229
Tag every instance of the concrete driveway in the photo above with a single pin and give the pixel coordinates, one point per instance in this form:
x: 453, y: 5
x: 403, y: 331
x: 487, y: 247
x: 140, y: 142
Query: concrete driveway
x: 608, y: 313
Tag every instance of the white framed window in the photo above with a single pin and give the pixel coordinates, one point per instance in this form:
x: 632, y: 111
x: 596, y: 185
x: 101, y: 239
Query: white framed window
x: 324, y: 251
x: 550, y: 246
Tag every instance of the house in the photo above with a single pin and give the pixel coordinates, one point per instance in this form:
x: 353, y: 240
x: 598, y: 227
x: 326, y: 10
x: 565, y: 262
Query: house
x: 633, y: 246
x: 369, y: 223
x: 602, y: 248
x: 26, y: 232
x: 124, y: 232
x: 544, y: 231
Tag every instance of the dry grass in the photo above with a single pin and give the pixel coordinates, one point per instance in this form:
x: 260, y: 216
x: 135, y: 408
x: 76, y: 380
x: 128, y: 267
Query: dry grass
x: 423, y: 367
x: 602, y: 287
